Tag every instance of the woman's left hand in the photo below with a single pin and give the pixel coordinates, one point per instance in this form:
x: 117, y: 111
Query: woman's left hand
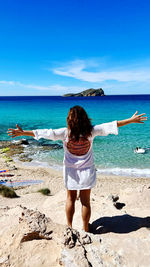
x: 138, y: 118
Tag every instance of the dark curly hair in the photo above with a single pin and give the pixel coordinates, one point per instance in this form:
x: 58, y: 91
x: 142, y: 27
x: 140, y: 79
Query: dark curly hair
x: 78, y: 123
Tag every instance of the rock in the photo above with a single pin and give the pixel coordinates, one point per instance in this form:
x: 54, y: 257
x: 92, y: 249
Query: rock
x: 73, y: 237
x: 119, y: 205
x: 70, y: 238
x: 25, y: 158
x: 4, y: 150
x: 75, y: 253
x: 85, y: 239
x: 4, y: 144
x: 23, y: 142
x: 20, y: 142
x: 13, y: 168
x: 48, y: 147
x: 37, y: 225
x: 12, y: 149
x: 88, y: 92
x: 3, y: 259
x: 74, y: 257
x: 7, y: 159
x: 113, y: 198
x: 45, y: 242
x: 34, y: 241
x: 37, y: 241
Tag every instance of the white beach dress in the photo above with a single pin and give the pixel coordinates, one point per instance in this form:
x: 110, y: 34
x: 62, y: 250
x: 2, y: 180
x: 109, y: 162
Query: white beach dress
x: 78, y: 171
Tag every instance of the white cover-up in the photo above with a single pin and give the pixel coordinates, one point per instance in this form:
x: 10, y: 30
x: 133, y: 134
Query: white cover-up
x: 78, y: 171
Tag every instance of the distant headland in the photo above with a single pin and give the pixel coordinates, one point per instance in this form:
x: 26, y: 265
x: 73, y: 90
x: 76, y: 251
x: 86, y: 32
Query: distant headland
x: 88, y: 92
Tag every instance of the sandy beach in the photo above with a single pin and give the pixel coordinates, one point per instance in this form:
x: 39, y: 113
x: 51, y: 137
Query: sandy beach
x: 75, y: 90
x: 120, y: 237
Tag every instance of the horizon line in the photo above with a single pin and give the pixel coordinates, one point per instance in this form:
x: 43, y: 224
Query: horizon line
x: 71, y: 96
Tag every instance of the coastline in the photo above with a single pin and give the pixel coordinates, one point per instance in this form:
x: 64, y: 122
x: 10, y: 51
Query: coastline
x: 21, y: 170
x: 124, y: 231
x: 53, y: 179
x: 113, y: 154
x: 30, y: 154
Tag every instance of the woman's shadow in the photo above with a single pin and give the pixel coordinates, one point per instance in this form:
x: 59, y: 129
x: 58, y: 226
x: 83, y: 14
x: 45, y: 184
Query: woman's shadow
x: 119, y: 224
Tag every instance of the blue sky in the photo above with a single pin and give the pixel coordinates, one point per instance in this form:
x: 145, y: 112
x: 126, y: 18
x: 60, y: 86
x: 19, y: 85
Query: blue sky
x: 52, y: 47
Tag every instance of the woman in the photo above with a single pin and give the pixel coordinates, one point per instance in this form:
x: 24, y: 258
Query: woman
x: 79, y: 170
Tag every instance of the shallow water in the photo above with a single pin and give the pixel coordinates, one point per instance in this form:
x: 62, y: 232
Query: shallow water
x: 113, y: 154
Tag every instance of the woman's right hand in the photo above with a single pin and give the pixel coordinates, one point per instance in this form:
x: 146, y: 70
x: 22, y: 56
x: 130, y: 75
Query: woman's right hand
x: 15, y: 132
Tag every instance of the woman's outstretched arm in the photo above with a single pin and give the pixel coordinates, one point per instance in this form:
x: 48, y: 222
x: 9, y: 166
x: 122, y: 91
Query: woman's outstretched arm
x: 50, y: 134
x: 134, y: 119
x: 19, y: 132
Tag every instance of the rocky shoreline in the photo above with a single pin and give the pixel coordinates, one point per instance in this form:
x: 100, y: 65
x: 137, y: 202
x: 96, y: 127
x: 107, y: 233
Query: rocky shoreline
x: 23, y: 149
x: 33, y: 226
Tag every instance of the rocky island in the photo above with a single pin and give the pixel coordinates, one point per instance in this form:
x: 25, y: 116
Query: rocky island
x: 88, y: 92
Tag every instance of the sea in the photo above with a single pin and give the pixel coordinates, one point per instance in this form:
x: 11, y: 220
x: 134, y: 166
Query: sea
x: 112, y: 154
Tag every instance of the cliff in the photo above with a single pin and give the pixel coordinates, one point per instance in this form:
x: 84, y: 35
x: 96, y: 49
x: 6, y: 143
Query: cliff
x: 88, y: 92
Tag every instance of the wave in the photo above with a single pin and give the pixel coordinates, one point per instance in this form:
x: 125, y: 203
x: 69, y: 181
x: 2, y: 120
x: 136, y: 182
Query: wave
x: 125, y: 172
x: 37, y: 163
x: 131, y: 172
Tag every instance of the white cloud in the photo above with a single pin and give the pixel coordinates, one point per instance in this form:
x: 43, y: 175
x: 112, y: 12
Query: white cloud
x: 16, y: 83
x: 7, y: 82
x: 53, y: 89
x: 78, y: 69
x: 134, y: 78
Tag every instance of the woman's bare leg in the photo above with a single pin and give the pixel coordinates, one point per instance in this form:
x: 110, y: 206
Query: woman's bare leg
x: 70, y: 205
x: 86, y: 208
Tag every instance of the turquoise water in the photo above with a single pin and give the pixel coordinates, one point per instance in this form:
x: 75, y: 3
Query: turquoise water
x: 113, y: 154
